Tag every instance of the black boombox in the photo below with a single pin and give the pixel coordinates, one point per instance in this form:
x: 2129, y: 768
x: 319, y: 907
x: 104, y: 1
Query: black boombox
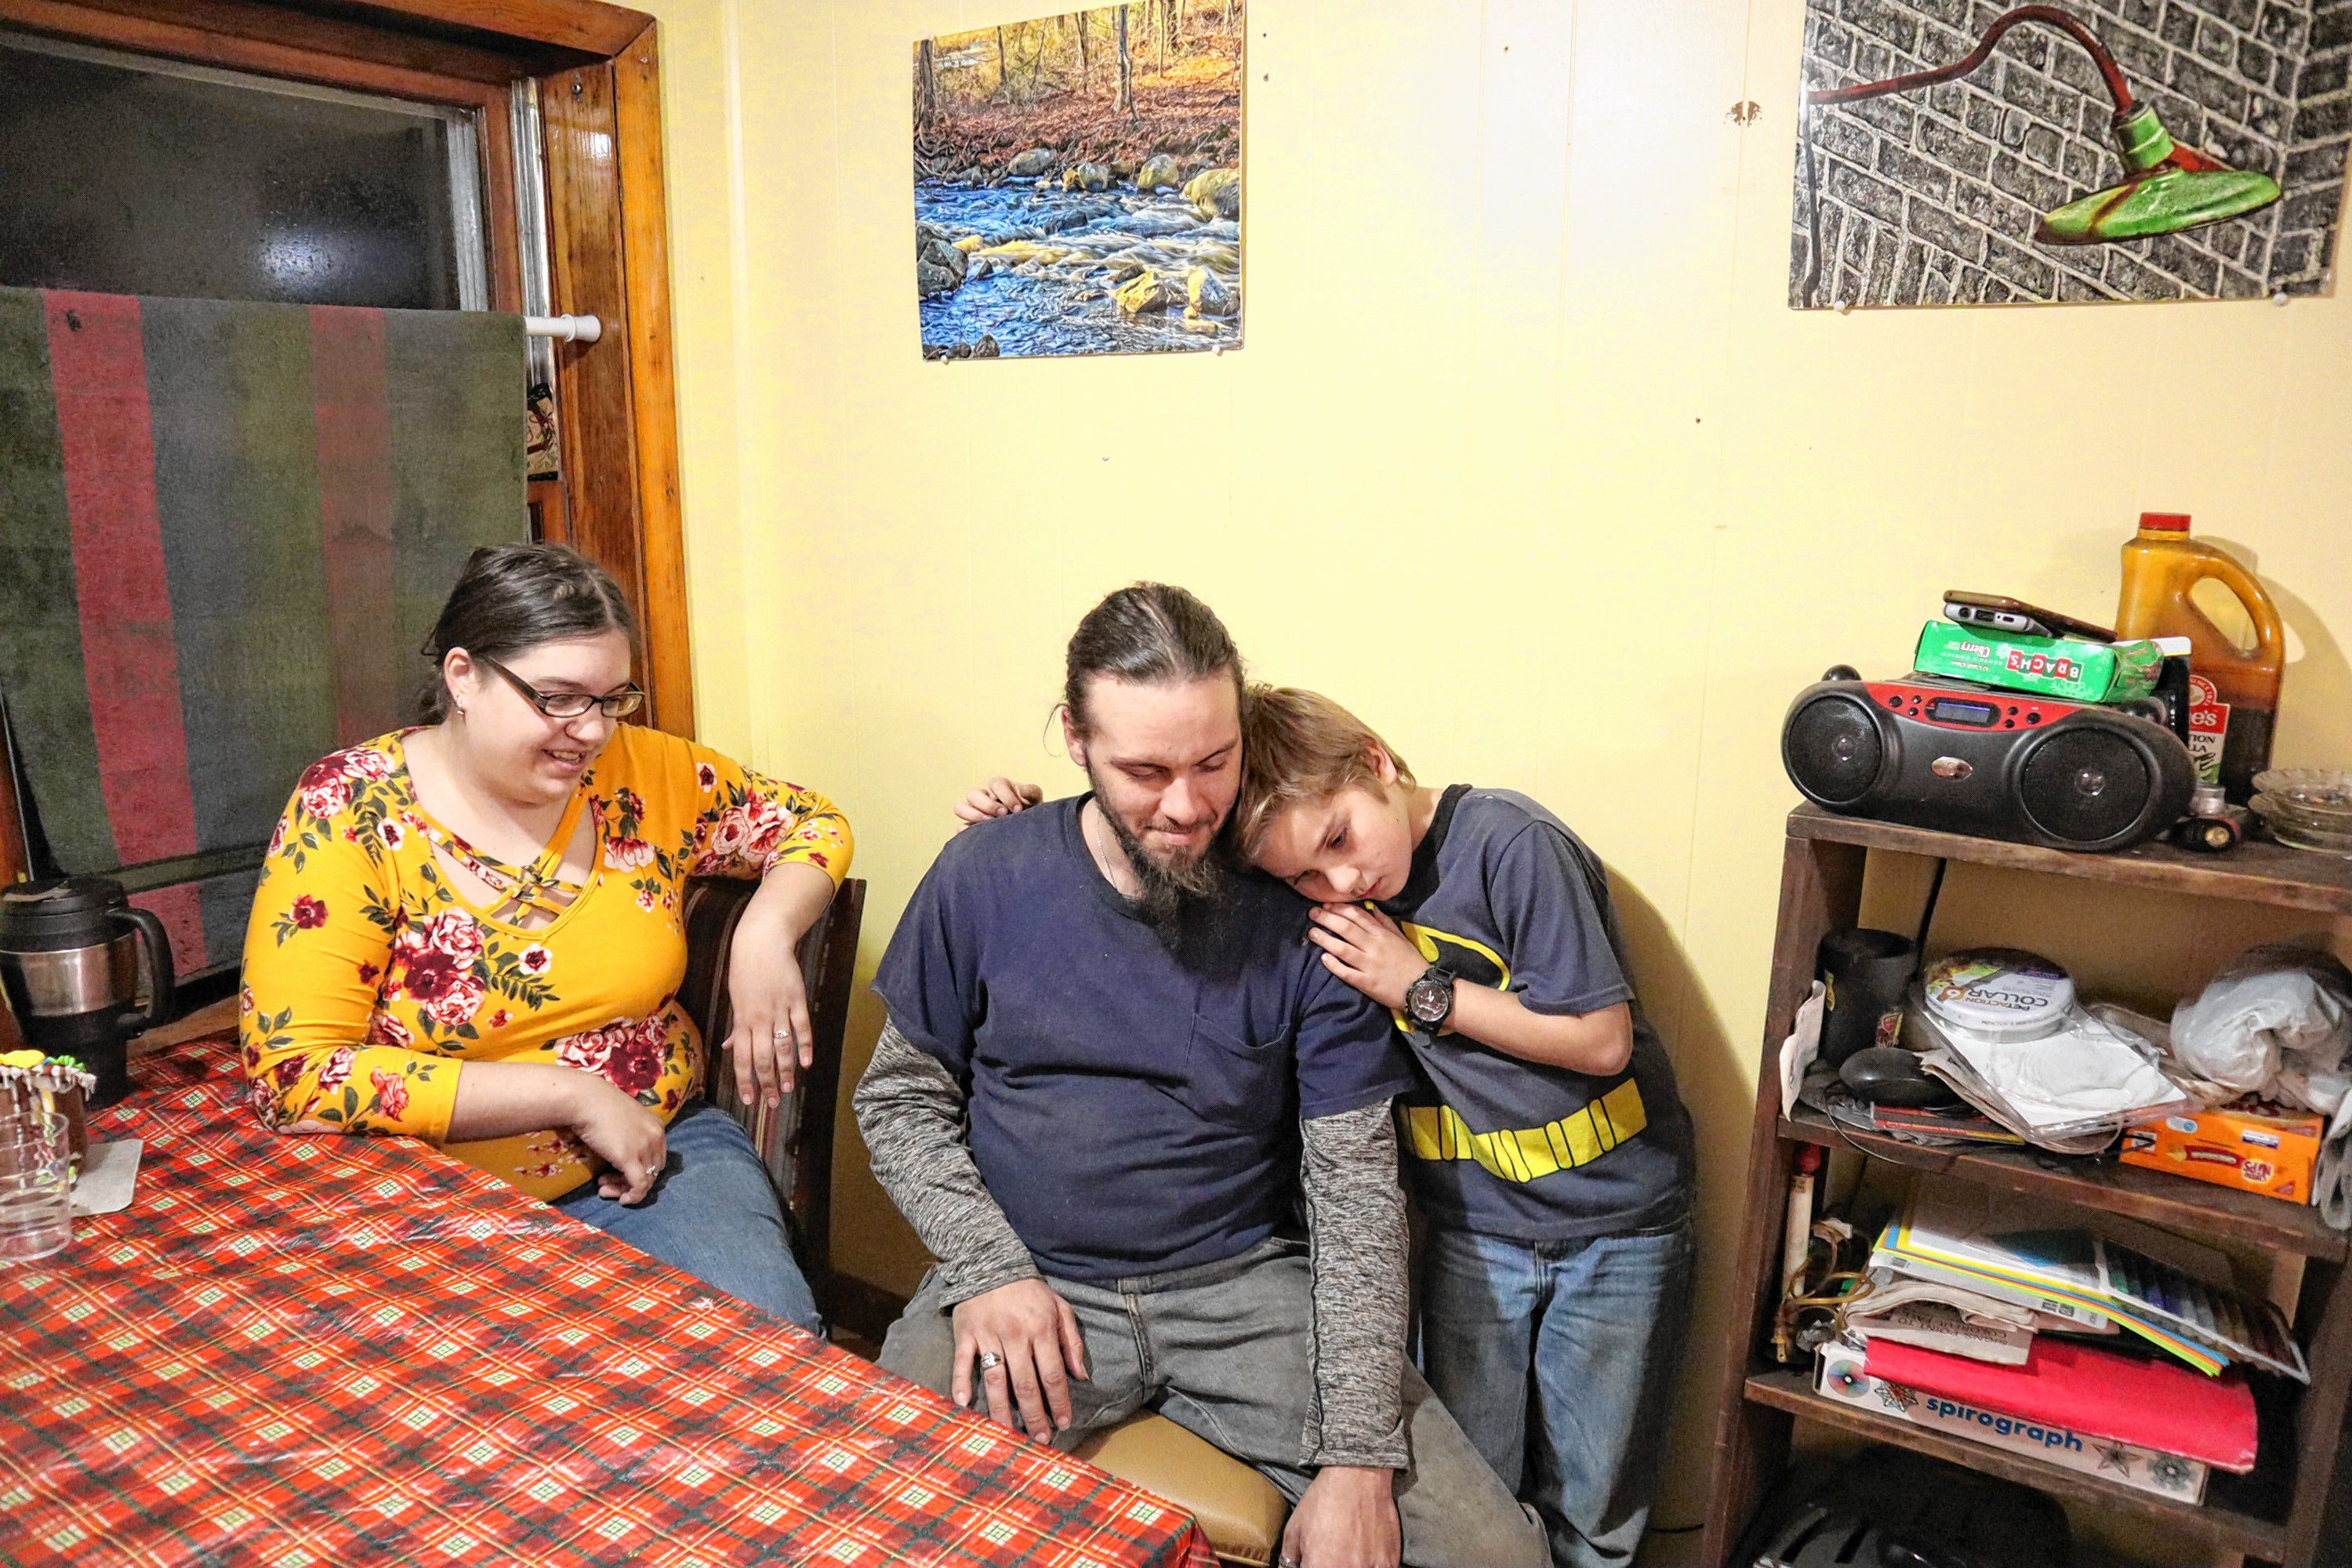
x: 1962, y: 758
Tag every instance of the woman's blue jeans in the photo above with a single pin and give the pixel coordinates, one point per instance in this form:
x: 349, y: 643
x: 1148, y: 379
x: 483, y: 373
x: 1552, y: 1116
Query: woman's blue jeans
x: 1557, y: 1359
x: 713, y: 1212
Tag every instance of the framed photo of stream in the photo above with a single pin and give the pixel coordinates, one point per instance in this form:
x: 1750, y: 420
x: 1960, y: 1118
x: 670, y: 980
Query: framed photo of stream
x: 1078, y: 183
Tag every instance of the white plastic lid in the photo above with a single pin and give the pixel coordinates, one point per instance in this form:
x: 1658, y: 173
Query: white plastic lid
x: 1999, y: 992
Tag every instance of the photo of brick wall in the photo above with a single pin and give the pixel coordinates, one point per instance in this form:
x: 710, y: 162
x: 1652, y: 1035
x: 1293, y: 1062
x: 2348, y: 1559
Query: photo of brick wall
x: 1971, y: 190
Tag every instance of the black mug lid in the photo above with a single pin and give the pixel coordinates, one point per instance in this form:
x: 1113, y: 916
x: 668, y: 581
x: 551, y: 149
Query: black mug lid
x: 63, y: 896
x: 62, y: 911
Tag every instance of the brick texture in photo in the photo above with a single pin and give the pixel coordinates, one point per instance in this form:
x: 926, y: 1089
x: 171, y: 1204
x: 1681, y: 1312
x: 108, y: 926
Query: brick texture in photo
x: 1962, y: 152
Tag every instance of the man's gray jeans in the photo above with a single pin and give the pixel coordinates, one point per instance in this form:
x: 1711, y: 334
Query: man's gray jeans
x: 1224, y: 1349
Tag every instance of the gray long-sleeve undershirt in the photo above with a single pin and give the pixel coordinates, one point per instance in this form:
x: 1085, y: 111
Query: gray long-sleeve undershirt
x: 912, y: 1112
x: 1356, y: 1246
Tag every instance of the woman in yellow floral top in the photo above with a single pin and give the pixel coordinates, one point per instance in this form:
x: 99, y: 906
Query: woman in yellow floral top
x: 470, y: 933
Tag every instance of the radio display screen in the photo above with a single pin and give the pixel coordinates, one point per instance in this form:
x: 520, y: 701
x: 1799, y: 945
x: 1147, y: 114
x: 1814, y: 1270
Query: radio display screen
x: 1953, y: 710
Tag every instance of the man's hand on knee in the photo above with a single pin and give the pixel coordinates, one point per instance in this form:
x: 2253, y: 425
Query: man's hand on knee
x: 1024, y: 1340
x: 1347, y: 1518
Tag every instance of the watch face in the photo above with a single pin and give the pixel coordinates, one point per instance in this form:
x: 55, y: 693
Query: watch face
x: 1426, y: 1000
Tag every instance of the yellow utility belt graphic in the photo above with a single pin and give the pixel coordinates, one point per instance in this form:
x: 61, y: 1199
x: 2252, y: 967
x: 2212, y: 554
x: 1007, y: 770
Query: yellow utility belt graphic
x: 1523, y: 1154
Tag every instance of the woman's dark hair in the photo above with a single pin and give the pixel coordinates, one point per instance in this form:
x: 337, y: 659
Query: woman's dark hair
x: 511, y: 597
x: 1148, y: 633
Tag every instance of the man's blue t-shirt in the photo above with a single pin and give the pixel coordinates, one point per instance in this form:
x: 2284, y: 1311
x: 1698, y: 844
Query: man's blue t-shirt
x: 1133, y: 1100
x: 1502, y: 894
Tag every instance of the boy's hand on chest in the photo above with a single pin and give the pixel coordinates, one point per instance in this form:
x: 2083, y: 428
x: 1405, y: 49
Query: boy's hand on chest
x: 1367, y: 950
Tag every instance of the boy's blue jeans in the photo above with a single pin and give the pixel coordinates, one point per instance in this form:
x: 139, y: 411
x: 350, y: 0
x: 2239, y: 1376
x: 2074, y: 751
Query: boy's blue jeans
x: 1557, y: 1359
x: 712, y: 1213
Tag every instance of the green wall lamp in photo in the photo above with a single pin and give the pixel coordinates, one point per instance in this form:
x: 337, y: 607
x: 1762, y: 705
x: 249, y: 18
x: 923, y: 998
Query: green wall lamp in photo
x: 2167, y: 187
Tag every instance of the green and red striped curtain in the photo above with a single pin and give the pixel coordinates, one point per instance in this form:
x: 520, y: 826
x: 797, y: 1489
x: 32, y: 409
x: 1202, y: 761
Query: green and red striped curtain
x: 225, y: 528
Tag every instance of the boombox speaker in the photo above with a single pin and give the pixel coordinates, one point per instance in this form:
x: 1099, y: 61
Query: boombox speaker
x: 1999, y: 764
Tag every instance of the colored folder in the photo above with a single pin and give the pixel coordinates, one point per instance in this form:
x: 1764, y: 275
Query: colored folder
x: 2154, y: 1405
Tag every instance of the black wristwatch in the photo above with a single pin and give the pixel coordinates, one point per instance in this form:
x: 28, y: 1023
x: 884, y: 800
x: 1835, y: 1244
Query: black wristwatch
x: 1429, y: 1000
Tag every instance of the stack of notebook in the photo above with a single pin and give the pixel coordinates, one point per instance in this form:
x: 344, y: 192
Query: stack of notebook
x: 1946, y: 1127
x: 2120, y: 1353
x: 2171, y: 1293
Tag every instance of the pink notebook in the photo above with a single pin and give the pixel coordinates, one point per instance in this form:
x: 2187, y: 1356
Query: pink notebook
x: 2154, y: 1405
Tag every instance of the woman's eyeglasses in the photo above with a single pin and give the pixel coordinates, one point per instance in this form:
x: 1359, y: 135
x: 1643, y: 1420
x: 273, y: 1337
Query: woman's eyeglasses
x: 569, y: 704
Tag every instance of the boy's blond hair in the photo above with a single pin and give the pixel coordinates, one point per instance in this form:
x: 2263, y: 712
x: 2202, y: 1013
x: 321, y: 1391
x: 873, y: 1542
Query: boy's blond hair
x: 1300, y: 748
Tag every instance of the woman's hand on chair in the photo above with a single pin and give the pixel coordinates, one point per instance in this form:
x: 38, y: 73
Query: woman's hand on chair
x: 998, y: 797
x: 771, y: 1040
x: 625, y: 1135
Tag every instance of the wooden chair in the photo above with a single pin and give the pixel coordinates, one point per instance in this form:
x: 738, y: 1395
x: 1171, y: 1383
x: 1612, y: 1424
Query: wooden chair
x: 1239, y: 1511
x: 795, y: 1137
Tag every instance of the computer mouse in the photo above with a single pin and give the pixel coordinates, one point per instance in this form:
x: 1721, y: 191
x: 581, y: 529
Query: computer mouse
x: 1889, y: 1075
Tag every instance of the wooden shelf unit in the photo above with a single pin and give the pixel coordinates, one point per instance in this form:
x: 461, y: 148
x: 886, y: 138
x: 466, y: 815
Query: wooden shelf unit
x: 2280, y: 1515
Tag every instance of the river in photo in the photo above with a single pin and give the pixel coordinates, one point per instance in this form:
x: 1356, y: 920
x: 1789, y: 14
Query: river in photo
x: 1040, y: 282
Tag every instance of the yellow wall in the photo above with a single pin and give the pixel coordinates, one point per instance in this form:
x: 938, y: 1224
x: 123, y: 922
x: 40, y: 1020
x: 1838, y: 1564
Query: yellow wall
x: 1526, y: 460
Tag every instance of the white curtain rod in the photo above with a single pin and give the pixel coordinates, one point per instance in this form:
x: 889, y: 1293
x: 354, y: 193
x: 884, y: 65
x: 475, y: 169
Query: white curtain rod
x: 569, y: 328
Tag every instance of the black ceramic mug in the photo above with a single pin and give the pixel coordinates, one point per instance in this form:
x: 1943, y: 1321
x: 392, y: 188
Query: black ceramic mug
x: 1865, y: 972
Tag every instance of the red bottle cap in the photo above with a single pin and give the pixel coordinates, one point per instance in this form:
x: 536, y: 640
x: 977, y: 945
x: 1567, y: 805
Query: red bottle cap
x: 2165, y: 521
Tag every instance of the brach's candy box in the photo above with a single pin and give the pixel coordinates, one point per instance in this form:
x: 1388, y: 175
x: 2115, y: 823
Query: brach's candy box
x: 2251, y: 1144
x: 2051, y: 666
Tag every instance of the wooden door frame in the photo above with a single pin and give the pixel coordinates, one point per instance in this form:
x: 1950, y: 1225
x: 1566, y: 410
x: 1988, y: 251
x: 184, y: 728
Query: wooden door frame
x: 608, y: 239
x: 598, y: 70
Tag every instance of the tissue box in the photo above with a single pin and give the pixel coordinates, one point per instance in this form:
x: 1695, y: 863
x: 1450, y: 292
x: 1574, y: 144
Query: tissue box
x: 2251, y: 1145
x: 2048, y: 667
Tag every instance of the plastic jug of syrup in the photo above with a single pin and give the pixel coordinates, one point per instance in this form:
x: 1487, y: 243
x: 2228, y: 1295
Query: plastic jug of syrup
x: 2233, y: 694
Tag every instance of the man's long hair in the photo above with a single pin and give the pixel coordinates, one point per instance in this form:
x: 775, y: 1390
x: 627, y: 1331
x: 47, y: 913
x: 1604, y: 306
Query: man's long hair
x: 1148, y: 633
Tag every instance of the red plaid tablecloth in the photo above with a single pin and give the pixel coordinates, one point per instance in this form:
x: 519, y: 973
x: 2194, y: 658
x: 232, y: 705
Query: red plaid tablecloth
x: 331, y: 1350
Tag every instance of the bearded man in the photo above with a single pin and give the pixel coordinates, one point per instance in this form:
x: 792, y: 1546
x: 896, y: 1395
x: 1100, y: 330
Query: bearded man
x: 1114, y: 1081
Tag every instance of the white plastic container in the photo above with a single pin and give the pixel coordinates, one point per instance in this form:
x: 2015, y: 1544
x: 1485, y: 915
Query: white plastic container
x: 1999, y: 993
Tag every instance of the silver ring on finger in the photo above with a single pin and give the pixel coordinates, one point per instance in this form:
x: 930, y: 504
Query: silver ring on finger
x: 782, y: 1032
x: 990, y: 1361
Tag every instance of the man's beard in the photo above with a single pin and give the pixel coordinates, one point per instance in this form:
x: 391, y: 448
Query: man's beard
x: 1175, y: 894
